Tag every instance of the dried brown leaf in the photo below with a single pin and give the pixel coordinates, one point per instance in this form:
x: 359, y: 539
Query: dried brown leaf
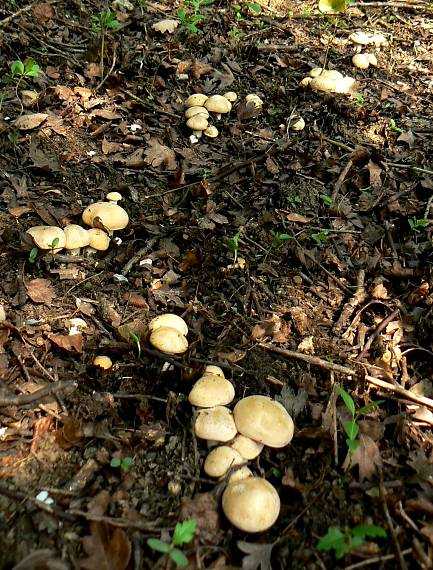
x: 40, y: 291
x: 258, y: 555
x: 298, y: 218
x: 158, y: 154
x: 43, y: 559
x: 366, y: 456
x: 70, y: 343
x: 106, y: 550
x: 28, y: 122
x: 43, y: 12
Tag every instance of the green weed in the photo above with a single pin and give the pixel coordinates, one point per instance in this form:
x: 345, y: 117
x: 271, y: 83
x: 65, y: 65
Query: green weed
x: 233, y: 245
x: 344, y: 542
x: 191, y: 15
x: 416, y: 225
x: 125, y: 463
x: 183, y: 533
x: 351, y: 427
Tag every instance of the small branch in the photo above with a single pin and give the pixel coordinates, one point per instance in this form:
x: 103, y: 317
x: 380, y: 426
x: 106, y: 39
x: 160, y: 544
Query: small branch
x: 357, y: 299
x: 380, y: 327
x: 341, y: 179
x: 25, y: 399
x: 21, y: 11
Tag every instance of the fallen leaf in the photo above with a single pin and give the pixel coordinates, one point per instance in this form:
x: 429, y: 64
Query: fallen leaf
x: 70, y: 342
x: 106, y: 550
x: 19, y: 211
x: 109, y: 147
x: 164, y: 26
x: 43, y: 559
x: 157, y: 154
x: 43, y: 12
x: 299, y: 218
x: 258, y: 555
x: 40, y: 291
x: 28, y: 122
x: 366, y: 456
x: 408, y: 138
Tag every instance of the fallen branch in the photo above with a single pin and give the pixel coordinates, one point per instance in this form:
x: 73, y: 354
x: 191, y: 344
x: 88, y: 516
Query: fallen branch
x: 25, y: 399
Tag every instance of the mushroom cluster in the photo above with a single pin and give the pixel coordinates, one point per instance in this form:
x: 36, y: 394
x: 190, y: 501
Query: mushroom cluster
x: 364, y: 60
x: 328, y: 81
x: 361, y: 39
x: 198, y: 112
x: 168, y: 334
x: 74, y: 237
x: 250, y: 503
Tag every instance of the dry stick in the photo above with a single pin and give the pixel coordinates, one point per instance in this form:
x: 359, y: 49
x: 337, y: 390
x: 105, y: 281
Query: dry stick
x: 407, y: 167
x: 377, y: 332
x: 21, y: 11
x: 391, y: 5
x: 399, y: 556
x: 341, y: 179
x: 357, y: 299
x: 25, y: 399
x: 316, y: 361
x: 376, y: 559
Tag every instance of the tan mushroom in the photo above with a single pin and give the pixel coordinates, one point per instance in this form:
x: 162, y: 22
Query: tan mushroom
x: 344, y: 85
x: 198, y: 99
x: 212, y: 369
x: 240, y: 473
x: 218, y: 104
x: 220, y: 459
x: 98, y: 239
x: 251, y: 504
x: 48, y: 237
x: 112, y: 216
x: 103, y: 362
x: 211, y: 390
x: 265, y: 420
x: 212, y: 132
x: 361, y: 61
x: 76, y: 238
x: 114, y: 197
x: 247, y: 447
x: 169, y: 320
x: 255, y: 100
x: 198, y: 123
x: 196, y: 110
x: 322, y: 83
x: 168, y: 340
x: 331, y: 73
x: 298, y: 124
x: 372, y: 59
x: 215, y: 423
x: 231, y: 96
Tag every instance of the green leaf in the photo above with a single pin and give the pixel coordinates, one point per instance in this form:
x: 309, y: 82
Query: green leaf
x: 333, y: 539
x: 158, y: 545
x: 254, y: 7
x: 351, y: 428
x: 55, y: 243
x: 370, y: 530
x: 184, y: 532
x: 326, y: 199
x: 352, y: 444
x: 17, y: 68
x: 365, y: 409
x: 115, y: 462
x: 332, y: 6
x: 178, y: 557
x: 348, y: 401
x: 31, y: 68
x: 33, y: 254
x: 181, y: 12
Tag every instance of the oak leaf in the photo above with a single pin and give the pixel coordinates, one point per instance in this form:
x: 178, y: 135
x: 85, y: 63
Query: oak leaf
x: 106, y: 550
x: 40, y: 290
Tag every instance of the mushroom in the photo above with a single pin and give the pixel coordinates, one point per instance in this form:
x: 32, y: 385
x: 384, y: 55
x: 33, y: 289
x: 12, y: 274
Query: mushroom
x: 366, y: 38
x: 220, y: 459
x: 251, y: 504
x: 372, y: 60
x: 231, y: 96
x: 344, y: 85
x: 255, y: 100
x: 298, y: 124
x: 265, y: 420
x: 103, y: 362
x: 218, y: 104
x: 197, y: 123
x: 98, y: 239
x: 331, y: 73
x: 114, y: 197
x: 76, y: 237
x: 361, y: 61
x: 240, y: 473
x: 305, y: 82
x: 48, y: 237
x: 196, y: 110
x: 247, y: 447
x: 211, y: 132
x: 212, y: 369
x: 168, y: 340
x: 211, y: 390
x: 322, y: 83
x: 169, y: 320
x: 111, y: 216
x: 196, y: 99
x: 215, y: 423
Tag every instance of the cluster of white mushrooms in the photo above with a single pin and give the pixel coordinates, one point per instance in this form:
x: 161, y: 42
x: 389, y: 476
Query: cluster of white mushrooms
x: 74, y: 237
x: 250, y: 503
x: 198, y: 110
x: 328, y: 81
x: 361, y: 40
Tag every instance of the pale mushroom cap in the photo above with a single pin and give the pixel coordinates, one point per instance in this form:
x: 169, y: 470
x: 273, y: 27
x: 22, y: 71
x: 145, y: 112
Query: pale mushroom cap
x: 43, y: 236
x: 169, y: 320
x: 103, y: 362
x: 196, y: 110
x: 360, y: 38
x: 361, y: 61
x: 298, y: 124
x: 197, y: 123
x: 330, y: 73
x: 264, y: 420
x: 196, y: 99
x: 255, y: 99
x: 112, y: 216
x: 320, y: 83
x: 231, y: 96
x: 344, y: 85
x: 215, y: 423
x: 218, y: 104
x: 220, y: 459
x: 114, y: 196
x: 242, y: 473
x: 252, y: 504
x: 98, y: 239
x: 212, y: 369
x: 76, y: 236
x: 212, y: 132
x: 372, y: 59
x: 247, y: 447
x: 169, y: 340
x: 211, y: 390
x: 306, y: 81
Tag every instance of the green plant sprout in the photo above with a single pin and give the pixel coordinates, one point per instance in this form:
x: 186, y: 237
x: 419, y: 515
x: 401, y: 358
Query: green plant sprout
x: 233, y: 245
x: 125, y: 463
x: 294, y: 201
x: 320, y: 237
x: 359, y: 98
x: 327, y: 200
x: 394, y: 127
x: 183, y: 533
x: 351, y: 427
x: 33, y: 254
x: 415, y: 224
x: 100, y: 25
x: 137, y: 341
x: 22, y: 70
x: 344, y: 542
x: 53, y: 245
x: 190, y: 20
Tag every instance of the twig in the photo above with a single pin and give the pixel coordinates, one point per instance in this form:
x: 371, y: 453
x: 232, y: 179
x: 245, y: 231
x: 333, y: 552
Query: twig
x: 24, y: 399
x: 391, y: 528
x: 357, y: 299
x: 377, y: 332
x: 110, y: 71
x: 391, y: 5
x: 341, y: 179
x: 375, y: 560
x: 137, y: 256
x: 407, y: 167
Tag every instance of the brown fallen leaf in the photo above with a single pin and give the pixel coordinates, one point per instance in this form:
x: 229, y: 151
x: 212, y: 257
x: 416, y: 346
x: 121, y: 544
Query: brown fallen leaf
x: 366, y: 456
x: 157, y: 154
x: 70, y: 343
x: 40, y: 291
x: 43, y: 559
x: 28, y: 122
x: 299, y: 218
x: 106, y: 550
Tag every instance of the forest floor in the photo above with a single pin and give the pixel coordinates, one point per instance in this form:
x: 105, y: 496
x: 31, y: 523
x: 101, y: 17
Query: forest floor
x: 300, y: 259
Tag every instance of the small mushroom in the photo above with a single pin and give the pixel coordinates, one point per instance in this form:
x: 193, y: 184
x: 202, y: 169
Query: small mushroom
x: 196, y: 110
x: 103, y: 362
x: 112, y: 216
x: 215, y: 423
x: 169, y: 320
x: 246, y: 446
x: 198, y: 99
x: 298, y: 124
x: 45, y: 236
x: 265, y: 420
x: 322, y: 83
x: 212, y: 132
x: 114, y: 197
x: 231, y: 96
x: 76, y: 238
x: 255, y: 100
x: 98, y: 239
x: 211, y: 390
x: 240, y: 473
x: 306, y: 81
x: 220, y: 459
x: 168, y: 340
x: 361, y: 61
x: 198, y: 123
x: 372, y: 60
x: 251, y: 504
x: 218, y: 104
x: 360, y: 38
x: 212, y: 369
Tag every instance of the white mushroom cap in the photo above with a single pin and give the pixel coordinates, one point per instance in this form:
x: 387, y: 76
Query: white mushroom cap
x: 360, y: 38
x: 215, y: 423
x: 231, y: 96
x: 211, y: 390
x: 196, y: 110
x: 169, y: 320
x: 220, y: 459
x: 76, y: 237
x: 112, y: 216
x: 247, y: 447
x: 241, y: 473
x: 330, y: 73
x: 103, y: 362
x: 169, y: 340
x: 252, y: 504
x: 212, y: 132
x: 44, y: 236
x: 196, y: 99
x: 114, y: 197
x: 265, y: 420
x: 197, y: 123
x: 344, y: 85
x: 98, y: 239
x: 218, y: 104
x: 361, y: 61
x: 321, y: 83
x: 254, y: 99
x: 306, y: 81
x: 212, y: 369
x: 372, y: 60
x: 298, y: 124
